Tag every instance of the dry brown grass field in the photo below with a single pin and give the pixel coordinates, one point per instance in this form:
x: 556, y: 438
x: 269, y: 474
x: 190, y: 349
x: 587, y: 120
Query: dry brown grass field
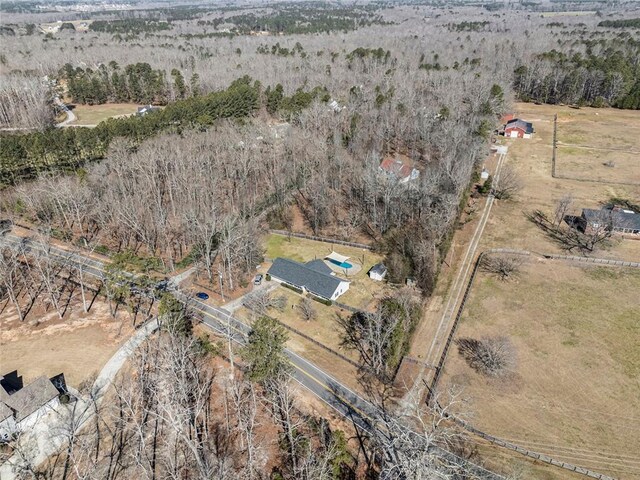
x: 78, y: 345
x: 508, y: 227
x: 590, y: 138
x: 89, y: 115
x: 575, y: 392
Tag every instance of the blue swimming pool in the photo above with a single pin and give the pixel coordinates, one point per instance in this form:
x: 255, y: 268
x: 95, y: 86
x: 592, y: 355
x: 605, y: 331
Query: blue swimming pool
x: 341, y: 264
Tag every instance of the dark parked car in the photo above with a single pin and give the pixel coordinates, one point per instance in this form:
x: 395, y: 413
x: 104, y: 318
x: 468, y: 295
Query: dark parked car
x: 202, y: 296
x: 258, y: 279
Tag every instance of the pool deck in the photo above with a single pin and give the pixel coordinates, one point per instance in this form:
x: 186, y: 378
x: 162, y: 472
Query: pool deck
x: 346, y: 273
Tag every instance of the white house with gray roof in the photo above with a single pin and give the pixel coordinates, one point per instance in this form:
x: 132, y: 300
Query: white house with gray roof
x: 315, y: 277
x: 22, y: 406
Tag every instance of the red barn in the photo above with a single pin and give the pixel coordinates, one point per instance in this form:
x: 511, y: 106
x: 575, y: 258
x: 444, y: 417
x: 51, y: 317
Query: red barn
x: 517, y: 128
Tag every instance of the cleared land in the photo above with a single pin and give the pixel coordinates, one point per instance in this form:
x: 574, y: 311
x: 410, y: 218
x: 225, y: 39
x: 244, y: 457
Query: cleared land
x: 575, y: 393
x: 78, y: 345
x: 94, y: 114
x: 590, y: 138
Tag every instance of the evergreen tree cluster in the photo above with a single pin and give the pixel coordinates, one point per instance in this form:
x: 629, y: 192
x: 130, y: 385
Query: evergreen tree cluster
x: 24, y: 156
x: 136, y: 83
x: 610, y: 77
x: 129, y: 26
x: 626, y: 23
x: 302, y: 19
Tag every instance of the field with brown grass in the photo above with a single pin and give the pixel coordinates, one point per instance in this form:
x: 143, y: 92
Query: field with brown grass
x: 575, y: 391
x: 89, y: 115
x: 78, y: 345
x: 597, y: 144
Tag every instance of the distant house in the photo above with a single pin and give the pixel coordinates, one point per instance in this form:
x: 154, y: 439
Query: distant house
x: 517, y: 128
x: 615, y: 219
x: 335, y: 106
x: 22, y: 406
x: 315, y: 277
x: 399, y: 168
x: 378, y: 272
x: 142, y: 111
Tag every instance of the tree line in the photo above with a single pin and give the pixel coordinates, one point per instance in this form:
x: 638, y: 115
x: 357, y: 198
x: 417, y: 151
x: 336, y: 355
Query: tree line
x: 137, y: 83
x: 608, y: 77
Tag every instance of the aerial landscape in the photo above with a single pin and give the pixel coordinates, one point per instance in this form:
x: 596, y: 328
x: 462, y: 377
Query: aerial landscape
x: 315, y: 240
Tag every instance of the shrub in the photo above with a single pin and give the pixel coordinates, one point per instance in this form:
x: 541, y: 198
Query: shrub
x: 291, y: 287
x: 321, y: 300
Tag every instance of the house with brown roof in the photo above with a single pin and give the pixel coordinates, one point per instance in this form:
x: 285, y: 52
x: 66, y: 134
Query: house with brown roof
x: 399, y: 168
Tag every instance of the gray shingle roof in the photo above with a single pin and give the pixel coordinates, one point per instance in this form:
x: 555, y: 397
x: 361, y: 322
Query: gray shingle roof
x: 378, y: 268
x: 618, y: 218
x: 517, y: 123
x: 319, y: 266
x: 5, y: 412
x: 30, y: 398
x: 301, y: 275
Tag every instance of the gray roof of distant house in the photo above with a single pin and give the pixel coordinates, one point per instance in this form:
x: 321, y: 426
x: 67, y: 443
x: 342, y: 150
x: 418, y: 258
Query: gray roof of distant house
x: 5, y: 411
x: 301, y: 275
x: 517, y: 123
x: 378, y: 268
x: 31, y: 397
x: 618, y: 218
x: 319, y: 266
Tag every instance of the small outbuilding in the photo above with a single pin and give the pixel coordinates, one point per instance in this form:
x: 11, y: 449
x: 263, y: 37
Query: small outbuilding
x: 378, y: 272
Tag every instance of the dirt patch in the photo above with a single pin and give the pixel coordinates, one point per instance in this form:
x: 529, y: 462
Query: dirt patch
x: 575, y: 393
x: 78, y: 345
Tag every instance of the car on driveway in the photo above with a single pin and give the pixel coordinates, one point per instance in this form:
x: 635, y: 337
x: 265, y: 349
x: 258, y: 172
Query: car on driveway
x: 258, y: 279
x: 202, y: 296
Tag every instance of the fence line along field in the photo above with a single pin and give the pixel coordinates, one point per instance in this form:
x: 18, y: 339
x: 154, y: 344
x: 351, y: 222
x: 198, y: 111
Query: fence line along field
x: 571, y: 385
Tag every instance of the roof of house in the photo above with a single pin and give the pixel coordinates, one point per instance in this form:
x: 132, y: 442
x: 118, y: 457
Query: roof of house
x: 5, y: 411
x: 319, y: 266
x: 302, y: 275
x: 31, y: 397
x: 396, y: 167
x: 521, y: 124
x: 378, y: 268
x: 618, y: 218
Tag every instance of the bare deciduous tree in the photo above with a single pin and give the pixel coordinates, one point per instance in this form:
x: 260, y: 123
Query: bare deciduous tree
x: 507, y: 185
x: 491, y: 356
x: 503, y: 265
x: 307, y: 309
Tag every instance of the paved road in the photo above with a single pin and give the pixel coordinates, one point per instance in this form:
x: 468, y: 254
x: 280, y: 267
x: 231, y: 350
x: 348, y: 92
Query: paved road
x: 341, y: 398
